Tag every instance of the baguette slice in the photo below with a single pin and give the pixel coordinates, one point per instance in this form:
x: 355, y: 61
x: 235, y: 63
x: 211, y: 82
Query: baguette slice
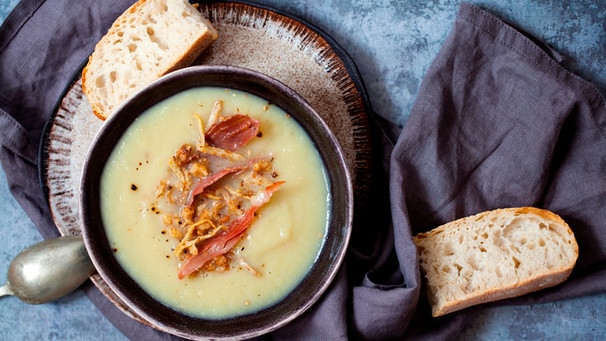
x: 148, y: 40
x: 494, y: 255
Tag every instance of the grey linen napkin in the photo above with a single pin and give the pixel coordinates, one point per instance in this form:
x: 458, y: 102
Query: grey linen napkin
x: 497, y: 122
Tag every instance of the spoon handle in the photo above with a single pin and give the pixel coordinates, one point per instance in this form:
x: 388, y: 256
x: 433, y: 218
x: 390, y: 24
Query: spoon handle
x: 5, y: 290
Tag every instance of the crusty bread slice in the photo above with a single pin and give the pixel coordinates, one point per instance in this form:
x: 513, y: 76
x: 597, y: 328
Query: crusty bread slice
x: 148, y: 40
x: 494, y: 255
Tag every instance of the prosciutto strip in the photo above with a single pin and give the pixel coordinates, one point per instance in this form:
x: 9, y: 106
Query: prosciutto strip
x: 222, y: 243
x: 211, y: 179
x: 233, y: 132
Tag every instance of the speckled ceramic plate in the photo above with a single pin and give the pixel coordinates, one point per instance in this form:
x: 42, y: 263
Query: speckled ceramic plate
x: 299, y: 55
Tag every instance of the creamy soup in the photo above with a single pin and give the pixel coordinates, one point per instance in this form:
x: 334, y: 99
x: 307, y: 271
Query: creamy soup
x: 281, y: 244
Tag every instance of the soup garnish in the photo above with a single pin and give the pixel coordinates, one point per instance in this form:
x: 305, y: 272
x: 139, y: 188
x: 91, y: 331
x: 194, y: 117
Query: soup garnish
x: 218, y: 192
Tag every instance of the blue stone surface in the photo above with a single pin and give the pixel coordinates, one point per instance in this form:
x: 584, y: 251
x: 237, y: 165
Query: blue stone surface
x: 392, y: 43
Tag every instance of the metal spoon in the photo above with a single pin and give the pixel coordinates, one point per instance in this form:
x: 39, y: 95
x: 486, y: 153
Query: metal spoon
x: 48, y: 270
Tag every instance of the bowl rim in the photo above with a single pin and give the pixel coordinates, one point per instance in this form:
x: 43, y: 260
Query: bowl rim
x: 331, y: 254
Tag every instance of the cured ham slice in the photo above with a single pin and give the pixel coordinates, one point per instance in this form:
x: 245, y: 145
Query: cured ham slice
x: 224, y: 242
x: 232, y: 133
x: 211, y: 179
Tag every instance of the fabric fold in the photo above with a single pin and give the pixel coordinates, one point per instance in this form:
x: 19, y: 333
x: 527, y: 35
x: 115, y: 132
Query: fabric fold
x: 498, y: 122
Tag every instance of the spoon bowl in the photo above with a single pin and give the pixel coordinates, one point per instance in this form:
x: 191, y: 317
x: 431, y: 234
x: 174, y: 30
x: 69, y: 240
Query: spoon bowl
x: 48, y: 270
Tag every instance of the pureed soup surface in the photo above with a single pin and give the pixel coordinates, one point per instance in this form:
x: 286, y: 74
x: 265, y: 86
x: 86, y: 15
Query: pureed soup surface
x: 281, y: 244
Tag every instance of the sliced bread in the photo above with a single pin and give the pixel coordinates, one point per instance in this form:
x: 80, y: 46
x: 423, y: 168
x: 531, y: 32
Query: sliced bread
x: 148, y: 40
x: 494, y: 255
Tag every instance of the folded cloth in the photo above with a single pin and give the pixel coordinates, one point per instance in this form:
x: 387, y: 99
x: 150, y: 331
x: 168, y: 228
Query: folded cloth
x: 497, y: 122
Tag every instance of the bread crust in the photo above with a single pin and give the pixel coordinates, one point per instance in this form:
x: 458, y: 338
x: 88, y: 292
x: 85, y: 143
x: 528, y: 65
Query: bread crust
x: 543, y: 279
x: 95, y: 107
x: 540, y: 282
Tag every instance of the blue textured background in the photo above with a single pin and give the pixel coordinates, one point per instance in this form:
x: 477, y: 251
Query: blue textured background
x: 393, y: 43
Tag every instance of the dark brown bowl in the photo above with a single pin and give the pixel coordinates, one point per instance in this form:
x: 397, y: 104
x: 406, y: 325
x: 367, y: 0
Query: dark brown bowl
x: 322, y: 271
